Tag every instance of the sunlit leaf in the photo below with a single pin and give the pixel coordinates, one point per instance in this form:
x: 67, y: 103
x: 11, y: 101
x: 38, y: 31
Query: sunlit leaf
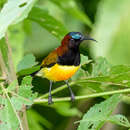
x: 101, y: 67
x: 120, y: 120
x: 14, y: 12
x: 25, y: 96
x: 8, y: 116
x: 79, y: 74
x: 52, y: 25
x: 27, y: 65
x: 96, y: 116
x: 27, y: 80
x: 28, y: 71
x: 12, y: 86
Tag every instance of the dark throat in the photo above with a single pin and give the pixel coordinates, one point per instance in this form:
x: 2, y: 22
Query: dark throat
x: 71, y: 57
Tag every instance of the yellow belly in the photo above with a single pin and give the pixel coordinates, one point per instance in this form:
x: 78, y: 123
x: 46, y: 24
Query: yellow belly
x: 58, y: 72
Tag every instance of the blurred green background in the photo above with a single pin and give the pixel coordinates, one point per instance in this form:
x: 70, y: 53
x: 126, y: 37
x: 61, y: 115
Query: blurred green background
x: 107, y: 21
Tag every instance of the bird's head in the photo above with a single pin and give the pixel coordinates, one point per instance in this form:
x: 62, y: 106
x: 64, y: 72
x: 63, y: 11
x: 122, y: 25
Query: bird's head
x: 73, y: 39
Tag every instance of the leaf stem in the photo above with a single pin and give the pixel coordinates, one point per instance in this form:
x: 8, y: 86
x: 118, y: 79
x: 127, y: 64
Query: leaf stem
x: 37, y: 101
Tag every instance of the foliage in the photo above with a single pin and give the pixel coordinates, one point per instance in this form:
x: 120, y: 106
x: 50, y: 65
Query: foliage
x: 48, y: 22
x: 20, y: 22
x: 27, y: 65
x: 100, y: 113
x: 10, y: 105
x: 19, y: 8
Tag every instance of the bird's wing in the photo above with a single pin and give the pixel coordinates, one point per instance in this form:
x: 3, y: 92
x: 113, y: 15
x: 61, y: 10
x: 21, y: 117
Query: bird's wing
x: 50, y: 60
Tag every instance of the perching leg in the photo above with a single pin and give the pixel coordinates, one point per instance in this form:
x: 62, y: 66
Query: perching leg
x: 71, y: 92
x: 50, y: 97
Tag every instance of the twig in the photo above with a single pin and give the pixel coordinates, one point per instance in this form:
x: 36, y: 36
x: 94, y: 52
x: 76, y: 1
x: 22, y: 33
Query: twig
x: 37, y: 101
x: 12, y: 74
x: 2, y: 66
x: 56, y: 90
x: 77, y: 82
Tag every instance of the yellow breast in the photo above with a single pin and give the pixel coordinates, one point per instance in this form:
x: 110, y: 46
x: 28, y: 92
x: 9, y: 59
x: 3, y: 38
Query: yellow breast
x: 58, y: 72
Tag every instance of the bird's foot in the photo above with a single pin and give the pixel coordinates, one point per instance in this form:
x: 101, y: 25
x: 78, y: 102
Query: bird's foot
x: 50, y: 100
x: 72, y: 97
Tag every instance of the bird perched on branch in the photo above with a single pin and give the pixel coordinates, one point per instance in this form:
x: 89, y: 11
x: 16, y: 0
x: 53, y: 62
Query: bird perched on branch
x: 62, y: 63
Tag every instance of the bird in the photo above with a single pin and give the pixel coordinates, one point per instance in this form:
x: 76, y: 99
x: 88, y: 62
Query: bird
x: 63, y: 62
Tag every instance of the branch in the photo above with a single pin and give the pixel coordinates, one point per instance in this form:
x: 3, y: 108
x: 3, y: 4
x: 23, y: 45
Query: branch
x: 56, y: 90
x: 37, y: 101
x: 76, y: 82
x: 12, y: 73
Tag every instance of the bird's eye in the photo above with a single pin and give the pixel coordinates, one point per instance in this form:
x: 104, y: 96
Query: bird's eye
x: 72, y: 40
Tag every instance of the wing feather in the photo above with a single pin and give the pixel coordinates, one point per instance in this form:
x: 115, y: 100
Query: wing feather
x: 50, y: 60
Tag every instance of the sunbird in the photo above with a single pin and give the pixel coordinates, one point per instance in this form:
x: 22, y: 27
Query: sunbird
x: 62, y: 63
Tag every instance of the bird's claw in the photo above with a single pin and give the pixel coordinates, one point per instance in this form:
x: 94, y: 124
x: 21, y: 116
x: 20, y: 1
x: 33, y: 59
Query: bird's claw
x: 72, y: 97
x: 50, y: 100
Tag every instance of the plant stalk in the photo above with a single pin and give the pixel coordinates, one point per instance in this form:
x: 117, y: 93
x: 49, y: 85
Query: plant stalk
x: 37, y: 101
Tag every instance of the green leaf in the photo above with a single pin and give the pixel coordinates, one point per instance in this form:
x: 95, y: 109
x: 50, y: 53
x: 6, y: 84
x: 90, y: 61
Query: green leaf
x: 25, y: 89
x: 12, y: 86
x: 120, y: 120
x: 65, y: 109
x: 35, y: 121
x: 101, y: 67
x: 72, y: 8
x: 84, y: 59
x: 8, y: 116
x: 79, y: 74
x: 27, y: 80
x: 16, y: 37
x: 26, y: 63
x: 118, y: 69
x: 18, y: 102
x: 104, y: 77
x: 28, y: 71
x: 98, y: 114
x: 52, y: 25
x: 26, y: 92
x: 25, y: 95
x: 14, y: 12
x: 111, y: 82
x: 2, y: 2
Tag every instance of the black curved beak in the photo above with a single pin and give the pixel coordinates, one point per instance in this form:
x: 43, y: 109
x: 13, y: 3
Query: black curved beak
x: 89, y: 38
